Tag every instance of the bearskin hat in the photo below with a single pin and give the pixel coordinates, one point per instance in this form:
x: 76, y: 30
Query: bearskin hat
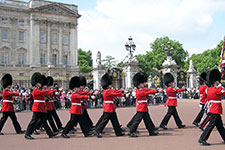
x: 139, y: 78
x: 44, y: 79
x: 213, y: 75
x: 168, y: 78
x: 74, y: 82
x: 50, y: 81
x: 36, y: 78
x: 146, y: 77
x: 106, y: 80
x: 6, y: 80
x: 83, y: 81
x: 202, y: 78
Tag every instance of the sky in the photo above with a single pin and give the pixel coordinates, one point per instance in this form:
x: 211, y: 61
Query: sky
x: 105, y: 25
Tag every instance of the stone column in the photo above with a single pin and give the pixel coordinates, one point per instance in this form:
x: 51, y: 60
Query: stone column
x: 34, y: 42
x: 97, y: 75
x: 73, y: 46
x: 31, y: 39
x: 60, y: 43
x: 49, y: 44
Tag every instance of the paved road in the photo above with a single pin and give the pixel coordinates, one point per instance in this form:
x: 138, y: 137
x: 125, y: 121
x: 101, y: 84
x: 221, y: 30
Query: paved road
x: 171, y: 139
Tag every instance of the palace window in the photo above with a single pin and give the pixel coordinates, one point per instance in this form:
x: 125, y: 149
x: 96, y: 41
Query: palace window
x: 5, y: 19
x: 21, y: 21
x: 54, y: 59
x: 65, y: 39
x: 21, y: 36
x: 54, y: 38
x: 21, y: 58
x: 42, y: 22
x: 5, y: 58
x: 65, y: 59
x: 4, y: 34
x: 42, y: 59
x: 43, y: 37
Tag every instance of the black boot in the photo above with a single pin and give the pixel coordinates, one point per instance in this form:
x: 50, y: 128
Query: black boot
x: 1, y: 133
x: 65, y: 136
x: 97, y: 135
x: 203, y: 142
x: 153, y: 133
x: 163, y: 126
x: 196, y: 124
x: 132, y: 135
x: 28, y: 137
x: 21, y: 132
x: 181, y: 126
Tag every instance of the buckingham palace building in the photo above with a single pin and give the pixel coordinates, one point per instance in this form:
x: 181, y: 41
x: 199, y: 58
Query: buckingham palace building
x: 38, y: 36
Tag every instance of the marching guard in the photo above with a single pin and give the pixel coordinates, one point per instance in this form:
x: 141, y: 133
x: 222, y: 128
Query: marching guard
x: 203, y: 98
x: 139, y: 80
x: 7, y: 106
x: 109, y: 107
x: 51, y: 106
x: 39, y: 107
x: 171, y: 102
x: 214, y: 94
x: 76, y: 109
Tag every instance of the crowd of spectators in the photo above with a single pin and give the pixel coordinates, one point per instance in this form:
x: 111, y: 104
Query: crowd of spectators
x: 25, y: 102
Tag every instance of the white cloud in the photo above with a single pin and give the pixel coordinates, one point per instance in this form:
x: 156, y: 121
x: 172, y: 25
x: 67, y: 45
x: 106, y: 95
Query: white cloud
x: 108, y: 26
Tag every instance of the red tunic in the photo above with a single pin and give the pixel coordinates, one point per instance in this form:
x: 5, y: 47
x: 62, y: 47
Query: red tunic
x: 7, y: 98
x: 141, y: 102
x: 172, y: 96
x: 84, y: 104
x: 108, y: 96
x: 50, y: 104
x: 39, y: 100
x: 214, y: 97
x: 203, y: 96
x: 76, y: 103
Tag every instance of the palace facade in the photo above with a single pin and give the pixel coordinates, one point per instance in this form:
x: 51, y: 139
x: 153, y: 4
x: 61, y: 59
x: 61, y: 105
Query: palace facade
x: 38, y: 36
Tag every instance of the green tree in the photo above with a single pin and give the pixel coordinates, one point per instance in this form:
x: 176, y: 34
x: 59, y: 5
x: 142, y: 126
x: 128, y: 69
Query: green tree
x: 156, y: 57
x: 109, y: 61
x: 206, y: 60
x: 84, y: 60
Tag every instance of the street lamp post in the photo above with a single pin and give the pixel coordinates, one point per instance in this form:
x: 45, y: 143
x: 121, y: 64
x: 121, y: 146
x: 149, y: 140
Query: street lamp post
x: 130, y: 46
x: 169, y: 49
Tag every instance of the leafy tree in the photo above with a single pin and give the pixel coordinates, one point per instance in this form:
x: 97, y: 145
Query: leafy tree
x: 156, y: 57
x: 109, y: 61
x: 84, y: 60
x: 207, y: 60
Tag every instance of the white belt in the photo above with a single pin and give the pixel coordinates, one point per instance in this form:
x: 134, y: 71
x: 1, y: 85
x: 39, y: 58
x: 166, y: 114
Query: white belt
x: 79, y: 104
x: 213, y: 101
x: 172, y: 97
x: 108, y: 102
x: 8, y: 101
x: 200, y: 94
x: 39, y: 101
x: 142, y: 101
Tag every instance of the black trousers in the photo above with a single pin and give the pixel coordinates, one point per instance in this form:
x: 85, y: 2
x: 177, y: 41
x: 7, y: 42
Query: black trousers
x: 73, y: 120
x: 12, y: 115
x: 215, y: 120
x: 131, y: 121
x: 56, y: 118
x: 38, y: 116
x: 87, y: 119
x: 51, y: 122
x: 105, y: 119
x: 147, y: 121
x: 171, y: 111
x: 205, y: 121
x: 200, y: 114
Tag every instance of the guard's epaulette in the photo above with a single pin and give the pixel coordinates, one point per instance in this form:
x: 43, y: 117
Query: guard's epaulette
x: 107, y: 89
x: 174, y: 89
x: 140, y: 89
